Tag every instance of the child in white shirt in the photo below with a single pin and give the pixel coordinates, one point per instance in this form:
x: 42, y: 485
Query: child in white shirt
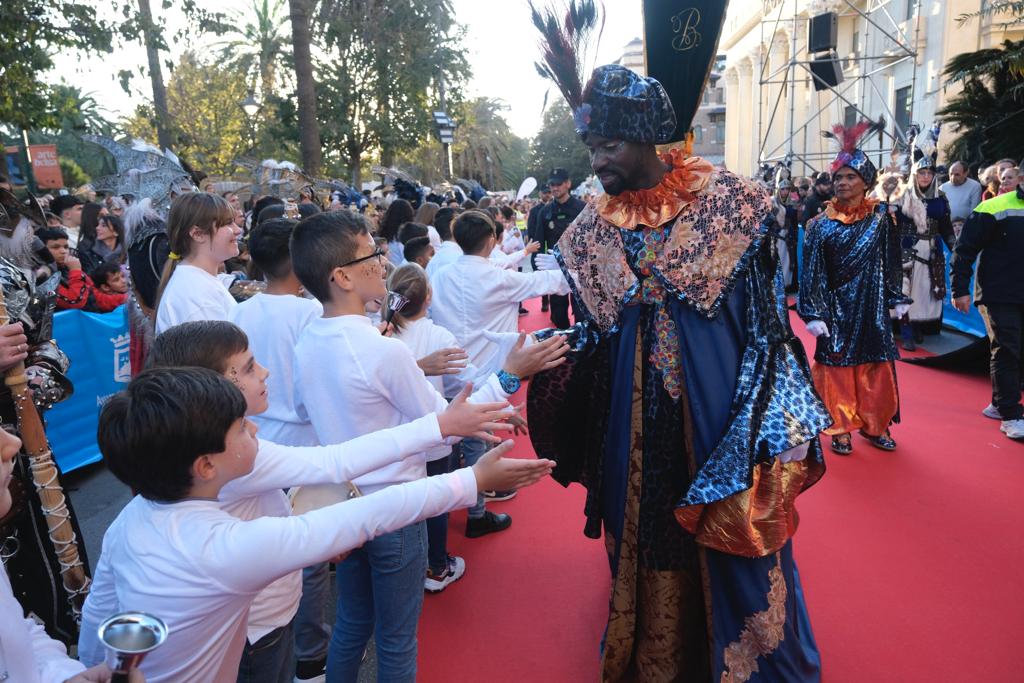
x: 178, y: 436
x: 351, y: 380
x: 202, y: 234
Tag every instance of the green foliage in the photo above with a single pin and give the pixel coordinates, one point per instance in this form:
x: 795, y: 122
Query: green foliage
x: 557, y: 145
x: 380, y: 62
x: 203, y: 100
x: 33, y: 31
x: 256, y: 44
x: 73, y: 174
x: 1012, y: 11
x: 484, y: 145
x: 989, y: 111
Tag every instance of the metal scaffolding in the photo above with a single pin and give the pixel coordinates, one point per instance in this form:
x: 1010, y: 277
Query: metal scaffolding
x: 887, y: 45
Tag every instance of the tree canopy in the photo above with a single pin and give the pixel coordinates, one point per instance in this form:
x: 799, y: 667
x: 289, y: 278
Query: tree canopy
x: 557, y: 146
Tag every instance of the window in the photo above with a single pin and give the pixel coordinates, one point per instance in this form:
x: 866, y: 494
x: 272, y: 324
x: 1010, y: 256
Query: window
x: 707, y: 96
x: 855, y: 44
x: 720, y: 95
x: 720, y: 131
x: 911, y: 6
x: 903, y: 108
x: 698, y: 135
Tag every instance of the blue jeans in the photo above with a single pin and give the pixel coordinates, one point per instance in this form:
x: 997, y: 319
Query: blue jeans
x: 311, y: 635
x: 380, y: 592
x: 269, y: 659
x: 437, y: 527
x: 473, y: 450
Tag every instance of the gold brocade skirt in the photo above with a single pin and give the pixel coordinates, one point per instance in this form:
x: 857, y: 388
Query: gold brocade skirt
x: 859, y: 396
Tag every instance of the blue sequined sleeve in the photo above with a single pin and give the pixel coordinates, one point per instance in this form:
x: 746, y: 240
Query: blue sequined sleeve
x: 812, y: 301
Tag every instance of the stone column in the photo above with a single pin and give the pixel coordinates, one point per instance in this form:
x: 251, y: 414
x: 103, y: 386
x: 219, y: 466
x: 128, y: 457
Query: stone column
x: 733, y: 99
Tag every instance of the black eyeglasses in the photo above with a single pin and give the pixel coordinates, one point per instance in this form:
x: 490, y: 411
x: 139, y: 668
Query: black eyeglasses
x: 377, y: 253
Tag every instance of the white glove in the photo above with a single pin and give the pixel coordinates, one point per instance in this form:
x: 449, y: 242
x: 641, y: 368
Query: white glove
x: 546, y: 262
x: 505, y: 342
x: 795, y: 454
x: 818, y: 328
x: 900, y: 310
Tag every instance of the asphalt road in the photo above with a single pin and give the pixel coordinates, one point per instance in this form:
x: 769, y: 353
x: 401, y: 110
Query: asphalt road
x: 98, y: 496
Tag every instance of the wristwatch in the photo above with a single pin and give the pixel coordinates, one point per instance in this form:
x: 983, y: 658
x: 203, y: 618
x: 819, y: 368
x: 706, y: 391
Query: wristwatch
x: 509, y: 383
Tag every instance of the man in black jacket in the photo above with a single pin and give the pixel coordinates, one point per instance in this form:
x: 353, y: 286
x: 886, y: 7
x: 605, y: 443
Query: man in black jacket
x: 815, y: 202
x: 535, y: 231
x: 557, y: 216
x: 994, y: 235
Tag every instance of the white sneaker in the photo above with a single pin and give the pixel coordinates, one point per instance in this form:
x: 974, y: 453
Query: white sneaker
x: 1013, y: 428
x: 435, y: 583
x: 992, y: 412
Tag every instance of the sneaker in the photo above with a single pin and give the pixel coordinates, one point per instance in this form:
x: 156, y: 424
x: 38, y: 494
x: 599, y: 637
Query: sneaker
x: 498, y: 496
x: 488, y: 524
x: 992, y: 412
x: 435, y: 583
x: 311, y: 671
x: 1012, y: 428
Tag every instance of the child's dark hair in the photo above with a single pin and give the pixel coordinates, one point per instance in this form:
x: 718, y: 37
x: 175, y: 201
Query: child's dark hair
x: 443, y: 223
x: 508, y: 212
x: 268, y: 247
x: 48, y: 234
x: 411, y: 231
x: 151, y: 433
x: 398, y: 213
x: 200, y: 343
x: 410, y: 281
x: 262, y: 203
x: 471, y: 229
x: 101, y: 273
x: 320, y: 244
x: 415, y: 248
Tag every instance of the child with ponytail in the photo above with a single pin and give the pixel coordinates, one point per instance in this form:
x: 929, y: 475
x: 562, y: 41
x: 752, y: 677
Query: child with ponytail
x: 202, y: 234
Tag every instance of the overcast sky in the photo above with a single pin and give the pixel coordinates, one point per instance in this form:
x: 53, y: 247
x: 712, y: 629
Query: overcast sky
x: 501, y: 44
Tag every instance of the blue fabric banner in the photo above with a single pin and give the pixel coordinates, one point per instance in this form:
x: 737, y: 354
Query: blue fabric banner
x: 97, y: 344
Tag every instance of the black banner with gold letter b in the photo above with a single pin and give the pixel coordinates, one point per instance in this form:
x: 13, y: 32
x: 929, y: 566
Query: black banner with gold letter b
x: 680, y: 41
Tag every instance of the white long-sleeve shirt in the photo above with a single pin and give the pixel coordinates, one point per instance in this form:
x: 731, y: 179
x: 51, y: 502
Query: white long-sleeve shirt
x: 27, y: 654
x: 352, y: 380
x: 198, y: 568
x: 499, y: 258
x: 273, y: 323
x: 192, y: 294
x: 445, y: 255
x: 473, y: 296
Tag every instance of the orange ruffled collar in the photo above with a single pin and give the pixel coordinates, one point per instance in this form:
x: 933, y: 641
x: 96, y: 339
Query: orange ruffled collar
x: 850, y: 214
x: 663, y: 202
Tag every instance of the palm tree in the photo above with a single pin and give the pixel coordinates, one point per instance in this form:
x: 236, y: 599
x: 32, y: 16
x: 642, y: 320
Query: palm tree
x: 989, y: 111
x: 483, y: 141
x: 152, y: 38
x: 305, y: 87
x: 257, y: 43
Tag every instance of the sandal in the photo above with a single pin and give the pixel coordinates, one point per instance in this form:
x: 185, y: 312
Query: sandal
x: 842, y: 444
x: 884, y: 442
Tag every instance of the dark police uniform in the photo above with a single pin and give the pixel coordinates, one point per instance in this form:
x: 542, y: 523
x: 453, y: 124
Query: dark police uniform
x: 554, y: 219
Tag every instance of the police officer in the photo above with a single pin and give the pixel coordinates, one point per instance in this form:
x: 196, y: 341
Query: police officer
x: 535, y: 231
x: 556, y: 217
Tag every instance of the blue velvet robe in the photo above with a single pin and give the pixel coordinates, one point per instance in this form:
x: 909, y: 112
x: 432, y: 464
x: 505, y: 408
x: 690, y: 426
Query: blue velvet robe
x: 748, y: 398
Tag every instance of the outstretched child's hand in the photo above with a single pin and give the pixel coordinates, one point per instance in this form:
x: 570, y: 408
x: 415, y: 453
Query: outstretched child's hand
x: 525, y: 360
x: 496, y: 473
x: 475, y: 420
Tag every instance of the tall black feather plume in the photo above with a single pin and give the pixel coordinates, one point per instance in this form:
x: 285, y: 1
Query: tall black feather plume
x: 564, y: 44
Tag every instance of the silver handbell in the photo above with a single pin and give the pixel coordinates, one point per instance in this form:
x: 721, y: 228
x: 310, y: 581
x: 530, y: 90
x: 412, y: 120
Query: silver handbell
x: 394, y: 303
x: 129, y: 637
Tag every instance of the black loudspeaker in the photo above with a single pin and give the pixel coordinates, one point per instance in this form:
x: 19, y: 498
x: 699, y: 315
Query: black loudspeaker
x: 827, y: 71
x: 822, y: 32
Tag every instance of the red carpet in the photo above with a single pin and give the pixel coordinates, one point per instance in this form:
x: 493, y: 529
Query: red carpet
x: 911, y: 561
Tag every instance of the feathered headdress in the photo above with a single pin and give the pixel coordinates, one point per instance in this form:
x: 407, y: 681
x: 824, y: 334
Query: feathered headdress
x: 614, y: 102
x: 925, y: 148
x: 849, y: 140
x: 143, y: 171
x: 564, y: 44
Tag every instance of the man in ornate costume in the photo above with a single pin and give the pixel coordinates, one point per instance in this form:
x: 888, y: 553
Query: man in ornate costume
x: 925, y: 219
x: 686, y: 408
x: 27, y: 533
x: 850, y: 282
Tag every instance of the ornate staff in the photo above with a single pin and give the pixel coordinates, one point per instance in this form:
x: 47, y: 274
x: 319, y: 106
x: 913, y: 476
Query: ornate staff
x: 44, y: 476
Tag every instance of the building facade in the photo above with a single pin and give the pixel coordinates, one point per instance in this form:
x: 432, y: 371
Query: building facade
x: 890, y: 53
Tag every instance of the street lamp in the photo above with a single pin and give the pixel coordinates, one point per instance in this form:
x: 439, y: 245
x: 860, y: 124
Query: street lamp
x: 445, y: 128
x: 250, y: 106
